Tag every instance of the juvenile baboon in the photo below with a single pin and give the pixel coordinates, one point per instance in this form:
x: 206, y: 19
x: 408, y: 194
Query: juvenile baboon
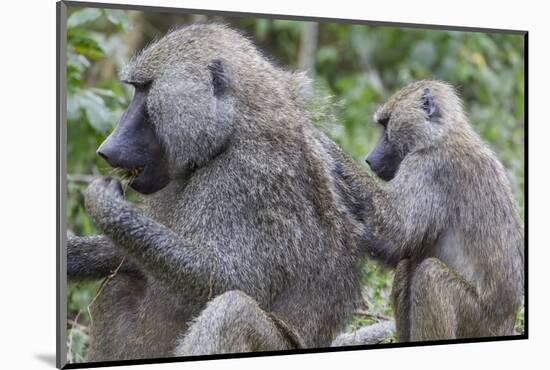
x: 446, y: 218
x: 247, y: 238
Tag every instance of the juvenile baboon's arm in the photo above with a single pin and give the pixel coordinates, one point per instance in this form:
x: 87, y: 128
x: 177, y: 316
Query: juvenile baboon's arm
x: 407, y: 214
x: 155, y: 247
x: 380, y: 249
x: 94, y: 257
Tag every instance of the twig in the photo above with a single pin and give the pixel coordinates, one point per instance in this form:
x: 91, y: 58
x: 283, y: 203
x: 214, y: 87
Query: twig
x: 82, y: 327
x: 103, y: 283
x: 374, y: 316
x: 71, y: 333
x: 83, y: 179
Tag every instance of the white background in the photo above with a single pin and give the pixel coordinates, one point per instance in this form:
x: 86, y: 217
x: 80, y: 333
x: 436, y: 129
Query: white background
x: 27, y: 182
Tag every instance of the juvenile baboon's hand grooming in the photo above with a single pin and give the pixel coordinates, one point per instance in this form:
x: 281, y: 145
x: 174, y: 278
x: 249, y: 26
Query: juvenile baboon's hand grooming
x: 380, y: 250
x: 247, y: 238
x: 446, y: 220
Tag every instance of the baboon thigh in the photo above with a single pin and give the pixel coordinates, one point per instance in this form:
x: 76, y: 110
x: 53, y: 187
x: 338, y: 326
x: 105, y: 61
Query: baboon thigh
x: 111, y: 313
x: 400, y: 296
x: 232, y: 322
x: 441, y: 302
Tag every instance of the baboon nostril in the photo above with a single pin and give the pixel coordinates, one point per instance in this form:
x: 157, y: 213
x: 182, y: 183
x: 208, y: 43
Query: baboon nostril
x: 102, y: 155
x: 109, y: 156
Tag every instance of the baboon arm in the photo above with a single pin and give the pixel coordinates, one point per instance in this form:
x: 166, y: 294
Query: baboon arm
x: 385, y: 238
x: 408, y: 215
x: 381, y: 250
x: 156, y: 248
x: 94, y: 257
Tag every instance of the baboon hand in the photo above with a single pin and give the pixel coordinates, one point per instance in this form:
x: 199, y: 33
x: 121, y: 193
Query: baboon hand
x: 374, y: 245
x: 101, y: 195
x: 104, y: 186
x: 380, y: 250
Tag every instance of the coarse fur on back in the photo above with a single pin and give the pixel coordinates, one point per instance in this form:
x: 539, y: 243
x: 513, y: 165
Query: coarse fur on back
x: 258, y: 226
x: 446, y: 218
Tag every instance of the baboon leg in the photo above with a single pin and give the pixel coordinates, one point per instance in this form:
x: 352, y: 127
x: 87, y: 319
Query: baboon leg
x: 440, y: 301
x: 233, y: 322
x: 401, y: 300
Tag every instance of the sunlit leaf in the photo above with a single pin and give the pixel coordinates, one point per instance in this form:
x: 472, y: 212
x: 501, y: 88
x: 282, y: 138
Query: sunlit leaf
x: 81, y: 43
x: 82, y: 16
x: 118, y: 18
x: 97, y: 112
x: 262, y: 27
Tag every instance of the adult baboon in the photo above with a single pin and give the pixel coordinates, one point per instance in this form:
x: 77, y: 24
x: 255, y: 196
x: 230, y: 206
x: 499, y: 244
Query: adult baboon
x: 247, y: 239
x: 447, y: 219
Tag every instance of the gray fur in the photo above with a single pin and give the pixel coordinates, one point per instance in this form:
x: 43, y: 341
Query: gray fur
x: 253, y: 245
x: 369, y: 334
x: 449, y: 222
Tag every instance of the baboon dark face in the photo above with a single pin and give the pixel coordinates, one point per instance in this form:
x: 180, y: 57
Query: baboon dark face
x: 135, y: 148
x: 410, y: 122
x: 385, y: 158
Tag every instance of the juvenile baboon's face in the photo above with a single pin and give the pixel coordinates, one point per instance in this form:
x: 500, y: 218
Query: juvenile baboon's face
x: 385, y: 158
x: 412, y: 121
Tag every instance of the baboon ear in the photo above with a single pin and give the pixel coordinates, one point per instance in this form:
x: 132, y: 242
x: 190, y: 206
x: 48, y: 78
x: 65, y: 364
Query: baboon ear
x: 428, y: 102
x: 220, y: 82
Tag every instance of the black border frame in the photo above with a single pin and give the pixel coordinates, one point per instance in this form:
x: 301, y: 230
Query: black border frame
x: 61, y: 276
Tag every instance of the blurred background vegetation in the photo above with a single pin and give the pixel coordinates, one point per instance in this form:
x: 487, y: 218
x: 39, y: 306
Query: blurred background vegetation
x: 358, y: 65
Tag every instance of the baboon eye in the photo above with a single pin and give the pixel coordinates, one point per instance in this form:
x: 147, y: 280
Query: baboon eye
x: 384, y: 121
x: 139, y: 85
x: 142, y: 85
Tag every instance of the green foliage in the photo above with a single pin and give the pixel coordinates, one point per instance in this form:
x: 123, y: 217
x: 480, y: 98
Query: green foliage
x: 79, y: 297
x: 93, y: 107
x: 77, y: 342
x: 359, y: 66
x: 376, y: 293
x: 520, y: 321
x: 93, y: 104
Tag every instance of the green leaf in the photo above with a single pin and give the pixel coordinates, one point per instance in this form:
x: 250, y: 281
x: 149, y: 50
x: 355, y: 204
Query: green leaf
x: 97, y: 112
x: 118, y: 18
x: 73, y: 107
x: 293, y: 27
x: 262, y: 27
x: 78, y: 61
x: 81, y: 43
x: 103, y: 92
x: 327, y: 54
x: 424, y: 53
x: 83, y: 16
x: 76, y: 67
